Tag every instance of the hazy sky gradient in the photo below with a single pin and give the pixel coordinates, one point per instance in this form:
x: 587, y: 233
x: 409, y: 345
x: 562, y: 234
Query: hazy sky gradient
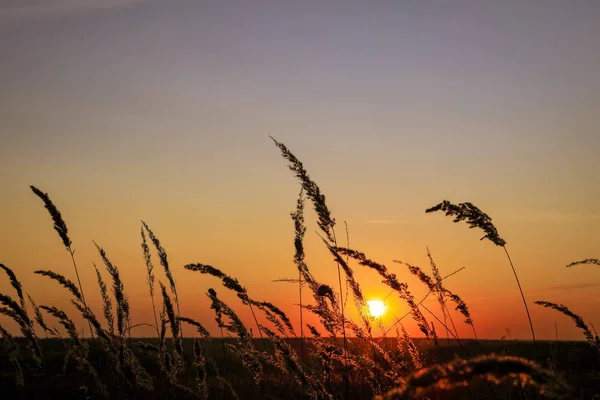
x: 155, y: 110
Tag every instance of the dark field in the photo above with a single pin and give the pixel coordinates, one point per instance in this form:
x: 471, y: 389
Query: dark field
x: 572, y: 361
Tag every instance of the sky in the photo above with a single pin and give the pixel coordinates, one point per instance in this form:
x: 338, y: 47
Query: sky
x: 161, y: 111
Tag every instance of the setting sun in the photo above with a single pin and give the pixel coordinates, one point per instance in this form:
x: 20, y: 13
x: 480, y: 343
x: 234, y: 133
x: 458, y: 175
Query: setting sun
x: 376, y: 308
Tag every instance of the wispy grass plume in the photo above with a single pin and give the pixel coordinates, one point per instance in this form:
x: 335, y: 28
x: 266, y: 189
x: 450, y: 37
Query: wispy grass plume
x: 61, y: 228
x: 441, y: 294
x: 14, y: 282
x: 299, y: 231
x: 14, y: 310
x: 591, y: 338
x: 326, y: 221
x: 434, y: 285
x: 18, y: 312
x: 164, y: 261
x: 473, y: 216
x: 199, y: 327
x: 265, y: 305
x: 39, y: 318
x: 59, y: 223
x: 66, y: 283
x: 246, y: 350
x: 411, y: 348
x: 591, y: 261
x: 174, y: 365
x: 327, y: 316
x: 391, y: 280
x: 230, y: 283
x: 150, y: 277
x: 478, y: 219
x: 86, y: 312
x: 106, y: 302
x: 173, y: 319
x: 493, y: 369
x: 122, y: 302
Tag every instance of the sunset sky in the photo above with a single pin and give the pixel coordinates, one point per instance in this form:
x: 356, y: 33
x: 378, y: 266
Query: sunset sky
x: 161, y: 111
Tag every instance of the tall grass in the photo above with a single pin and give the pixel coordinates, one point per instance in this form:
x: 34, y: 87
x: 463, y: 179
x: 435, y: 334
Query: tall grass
x: 591, y: 337
x: 63, y: 232
x: 478, y: 219
x: 231, y: 365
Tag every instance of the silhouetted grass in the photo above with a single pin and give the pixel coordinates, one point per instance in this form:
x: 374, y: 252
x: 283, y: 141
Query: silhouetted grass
x: 478, y: 219
x: 316, y: 365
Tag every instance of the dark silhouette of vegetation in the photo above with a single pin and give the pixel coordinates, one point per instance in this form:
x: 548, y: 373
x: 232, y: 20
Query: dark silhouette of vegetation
x: 340, y: 358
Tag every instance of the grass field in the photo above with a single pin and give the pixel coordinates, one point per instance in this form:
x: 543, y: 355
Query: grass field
x: 577, y: 366
x: 341, y: 358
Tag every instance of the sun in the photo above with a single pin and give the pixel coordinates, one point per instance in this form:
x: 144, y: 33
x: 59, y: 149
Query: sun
x: 376, y: 308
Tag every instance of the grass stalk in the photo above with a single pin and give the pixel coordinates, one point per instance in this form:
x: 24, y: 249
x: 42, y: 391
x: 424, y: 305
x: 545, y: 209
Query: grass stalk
x: 72, y: 254
x: 478, y: 219
x: 61, y: 228
x: 522, y: 294
x: 301, y: 321
x: 262, y: 338
x: 150, y: 278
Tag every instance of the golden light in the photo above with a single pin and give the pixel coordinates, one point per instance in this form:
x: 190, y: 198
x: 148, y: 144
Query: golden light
x: 376, y: 308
